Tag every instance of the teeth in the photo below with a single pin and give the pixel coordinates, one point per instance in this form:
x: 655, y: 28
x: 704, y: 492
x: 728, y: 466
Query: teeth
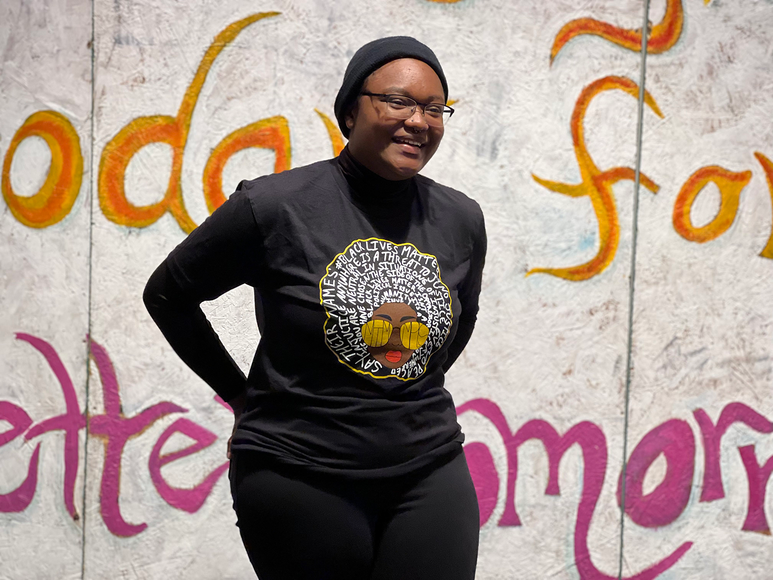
x: 408, y: 142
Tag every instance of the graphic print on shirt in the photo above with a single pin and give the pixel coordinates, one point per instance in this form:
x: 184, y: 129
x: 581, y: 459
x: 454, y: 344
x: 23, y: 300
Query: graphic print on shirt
x: 387, y: 309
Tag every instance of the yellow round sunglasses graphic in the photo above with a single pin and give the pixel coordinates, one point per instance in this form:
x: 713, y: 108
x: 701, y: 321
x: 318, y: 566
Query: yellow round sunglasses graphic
x: 378, y: 332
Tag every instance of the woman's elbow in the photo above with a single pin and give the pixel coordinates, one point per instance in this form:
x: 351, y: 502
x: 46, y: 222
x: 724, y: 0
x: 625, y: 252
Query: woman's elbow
x: 156, y: 293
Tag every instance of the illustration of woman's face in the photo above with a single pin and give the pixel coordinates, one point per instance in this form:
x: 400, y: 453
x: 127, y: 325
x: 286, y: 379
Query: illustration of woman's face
x: 394, y: 353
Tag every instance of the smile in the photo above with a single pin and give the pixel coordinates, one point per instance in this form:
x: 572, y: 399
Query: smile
x: 407, y: 141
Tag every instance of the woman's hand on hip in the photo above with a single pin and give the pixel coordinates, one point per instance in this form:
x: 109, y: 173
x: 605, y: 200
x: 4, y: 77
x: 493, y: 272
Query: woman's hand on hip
x: 237, y: 404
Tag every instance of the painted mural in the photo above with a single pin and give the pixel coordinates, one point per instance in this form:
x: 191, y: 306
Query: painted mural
x: 615, y: 396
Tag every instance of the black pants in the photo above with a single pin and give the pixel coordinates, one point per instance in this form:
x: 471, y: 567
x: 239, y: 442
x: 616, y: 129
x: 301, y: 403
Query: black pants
x: 301, y: 526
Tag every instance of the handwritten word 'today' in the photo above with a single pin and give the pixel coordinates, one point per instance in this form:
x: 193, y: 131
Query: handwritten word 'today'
x: 56, y: 197
x: 673, y: 439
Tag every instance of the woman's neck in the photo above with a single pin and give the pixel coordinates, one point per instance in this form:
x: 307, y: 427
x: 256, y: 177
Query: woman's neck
x: 368, y: 187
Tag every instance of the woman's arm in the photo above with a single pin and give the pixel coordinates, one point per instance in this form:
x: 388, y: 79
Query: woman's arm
x: 218, y: 256
x: 191, y: 336
x: 468, y: 295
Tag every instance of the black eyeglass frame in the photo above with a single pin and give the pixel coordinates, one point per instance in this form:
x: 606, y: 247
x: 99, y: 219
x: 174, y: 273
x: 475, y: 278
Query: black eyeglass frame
x: 386, y: 96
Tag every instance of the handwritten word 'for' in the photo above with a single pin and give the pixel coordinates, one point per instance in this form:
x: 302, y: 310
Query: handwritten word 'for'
x: 56, y: 197
x: 662, y: 506
x: 597, y: 185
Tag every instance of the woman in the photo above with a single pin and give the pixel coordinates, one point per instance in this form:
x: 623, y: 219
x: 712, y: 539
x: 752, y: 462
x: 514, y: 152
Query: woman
x: 346, y: 456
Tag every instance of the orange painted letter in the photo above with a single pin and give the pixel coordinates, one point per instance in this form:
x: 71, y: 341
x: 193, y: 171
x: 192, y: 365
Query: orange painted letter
x: 596, y: 184
x: 273, y: 133
x: 730, y: 185
x: 56, y: 197
x: 662, y: 37
x: 767, y: 165
x: 336, y: 139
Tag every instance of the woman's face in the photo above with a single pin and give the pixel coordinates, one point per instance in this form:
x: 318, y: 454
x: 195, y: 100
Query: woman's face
x: 395, y: 148
x: 393, y: 354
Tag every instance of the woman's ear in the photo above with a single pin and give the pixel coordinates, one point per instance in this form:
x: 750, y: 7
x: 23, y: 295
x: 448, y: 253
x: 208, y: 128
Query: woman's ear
x: 350, y: 117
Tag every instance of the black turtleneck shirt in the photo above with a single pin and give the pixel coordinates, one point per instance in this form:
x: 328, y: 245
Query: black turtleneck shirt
x: 366, y: 291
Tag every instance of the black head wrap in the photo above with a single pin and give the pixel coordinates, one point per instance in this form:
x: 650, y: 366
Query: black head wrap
x: 373, y: 56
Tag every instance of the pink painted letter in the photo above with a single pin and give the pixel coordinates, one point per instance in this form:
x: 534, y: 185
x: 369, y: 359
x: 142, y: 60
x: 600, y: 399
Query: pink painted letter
x: 189, y: 500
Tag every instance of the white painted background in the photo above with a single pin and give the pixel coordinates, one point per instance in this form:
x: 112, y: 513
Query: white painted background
x: 545, y: 348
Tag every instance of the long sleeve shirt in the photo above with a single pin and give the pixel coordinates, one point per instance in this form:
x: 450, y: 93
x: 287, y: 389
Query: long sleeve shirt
x: 366, y: 292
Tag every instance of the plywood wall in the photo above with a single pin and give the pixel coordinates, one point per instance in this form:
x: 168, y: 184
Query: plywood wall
x: 614, y: 322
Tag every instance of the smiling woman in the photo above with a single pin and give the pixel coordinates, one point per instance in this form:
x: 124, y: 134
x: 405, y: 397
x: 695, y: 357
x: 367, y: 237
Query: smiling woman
x: 389, y: 136
x: 346, y: 455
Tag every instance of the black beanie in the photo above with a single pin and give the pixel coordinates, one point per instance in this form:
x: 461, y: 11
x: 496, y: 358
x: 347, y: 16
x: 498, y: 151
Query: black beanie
x: 374, y: 55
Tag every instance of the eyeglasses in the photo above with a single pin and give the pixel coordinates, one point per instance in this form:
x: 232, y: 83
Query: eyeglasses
x: 403, y: 107
x: 377, y: 332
